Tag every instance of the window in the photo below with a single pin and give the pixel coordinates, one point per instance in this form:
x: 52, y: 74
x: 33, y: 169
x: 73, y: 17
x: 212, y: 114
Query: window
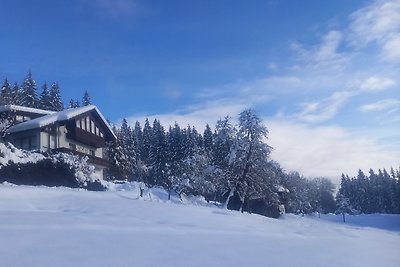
x: 27, y: 143
x: 97, y: 131
x: 52, y: 141
x: 87, y: 124
x: 92, y: 127
x: 78, y: 123
x: 101, y: 134
x: 83, y: 126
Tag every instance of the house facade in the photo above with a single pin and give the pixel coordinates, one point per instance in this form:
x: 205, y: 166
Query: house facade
x: 82, y: 131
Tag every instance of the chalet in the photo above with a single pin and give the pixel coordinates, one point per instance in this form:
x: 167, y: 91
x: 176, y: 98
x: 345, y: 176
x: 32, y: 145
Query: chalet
x: 82, y: 131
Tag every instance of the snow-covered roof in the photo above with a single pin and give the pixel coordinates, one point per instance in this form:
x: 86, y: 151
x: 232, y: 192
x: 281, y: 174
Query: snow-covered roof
x: 54, y: 117
x: 25, y: 109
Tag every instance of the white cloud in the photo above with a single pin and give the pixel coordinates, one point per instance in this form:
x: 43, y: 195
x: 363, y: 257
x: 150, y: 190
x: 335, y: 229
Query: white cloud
x: 325, y: 54
x: 378, y: 23
x: 391, y: 48
x: 376, y: 83
x: 326, y: 151
x: 383, y: 105
x: 315, y: 112
x: 328, y: 49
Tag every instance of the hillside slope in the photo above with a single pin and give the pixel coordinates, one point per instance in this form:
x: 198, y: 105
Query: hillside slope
x: 42, y: 226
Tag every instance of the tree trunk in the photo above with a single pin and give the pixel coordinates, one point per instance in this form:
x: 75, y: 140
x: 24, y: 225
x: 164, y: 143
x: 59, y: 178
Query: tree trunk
x: 141, y: 190
x: 231, y: 193
x: 344, y: 218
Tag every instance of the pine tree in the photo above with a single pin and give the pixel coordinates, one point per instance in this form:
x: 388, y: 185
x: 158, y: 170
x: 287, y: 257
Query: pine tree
x: 137, y: 139
x: 176, y: 153
x: 55, y: 97
x: 44, y: 99
x: 208, y: 139
x: 128, y: 149
x: 17, y: 95
x: 158, y: 157
x: 118, y: 167
x: 71, y: 103
x: 146, y: 143
x: 141, y: 169
x: 86, y: 100
x: 6, y: 94
x: 29, y: 92
x: 223, y: 141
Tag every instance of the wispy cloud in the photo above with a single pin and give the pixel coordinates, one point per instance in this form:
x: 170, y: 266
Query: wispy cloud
x: 391, y: 105
x: 377, y: 23
x: 325, y: 54
x: 391, y: 48
x: 315, y: 112
x: 376, y: 83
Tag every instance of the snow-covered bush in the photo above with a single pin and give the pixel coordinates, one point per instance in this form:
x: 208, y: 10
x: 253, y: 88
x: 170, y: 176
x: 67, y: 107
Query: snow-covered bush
x: 31, y: 168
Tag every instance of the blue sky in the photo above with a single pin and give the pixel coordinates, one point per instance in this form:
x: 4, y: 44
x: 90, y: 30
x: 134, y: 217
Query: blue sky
x: 323, y: 74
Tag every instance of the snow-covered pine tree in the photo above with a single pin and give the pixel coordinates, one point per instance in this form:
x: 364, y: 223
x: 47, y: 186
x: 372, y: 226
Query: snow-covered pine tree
x: 55, y: 97
x: 71, y: 103
x: 128, y: 149
x: 190, y: 142
x: 223, y: 140
x: 159, y: 158
x: 6, y: 94
x: 29, y: 92
x: 44, y: 100
x: 137, y: 139
x: 141, y: 169
x: 176, y: 152
x: 208, y: 139
x: 86, y: 100
x: 17, y: 95
x: 119, y: 168
x: 146, y: 143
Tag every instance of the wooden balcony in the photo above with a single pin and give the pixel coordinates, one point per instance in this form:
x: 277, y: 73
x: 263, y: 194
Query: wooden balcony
x: 84, y: 137
x: 91, y: 159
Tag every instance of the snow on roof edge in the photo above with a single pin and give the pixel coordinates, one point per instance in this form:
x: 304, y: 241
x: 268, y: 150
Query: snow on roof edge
x: 25, y: 109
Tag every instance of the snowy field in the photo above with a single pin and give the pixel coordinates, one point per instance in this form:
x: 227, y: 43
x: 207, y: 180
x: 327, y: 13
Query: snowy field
x: 50, y: 227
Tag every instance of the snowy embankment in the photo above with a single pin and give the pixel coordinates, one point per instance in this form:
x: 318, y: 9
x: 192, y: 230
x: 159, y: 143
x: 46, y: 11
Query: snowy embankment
x: 43, y: 227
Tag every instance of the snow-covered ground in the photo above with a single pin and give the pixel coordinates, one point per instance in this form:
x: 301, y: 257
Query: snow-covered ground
x: 46, y: 227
